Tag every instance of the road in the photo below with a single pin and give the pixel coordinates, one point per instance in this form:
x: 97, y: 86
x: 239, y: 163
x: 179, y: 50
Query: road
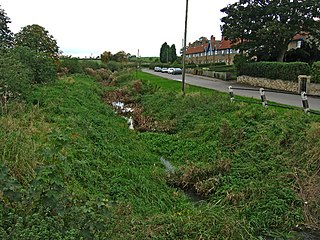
x: 223, y: 86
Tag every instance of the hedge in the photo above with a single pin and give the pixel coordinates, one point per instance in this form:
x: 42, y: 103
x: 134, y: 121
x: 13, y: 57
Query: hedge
x: 315, y: 73
x: 275, y: 70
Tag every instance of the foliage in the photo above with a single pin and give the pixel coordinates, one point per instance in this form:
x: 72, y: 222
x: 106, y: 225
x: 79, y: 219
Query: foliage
x: 114, y: 66
x: 6, y: 36
x: 275, y: 70
x: 42, y: 66
x: 105, y: 56
x: 168, y: 54
x: 72, y: 64
x: 120, y: 57
x: 71, y: 169
x: 265, y: 28
x: 297, y: 55
x: 38, y: 39
x: 14, y: 77
x: 239, y: 61
x: 308, y: 52
x: 91, y: 64
x: 173, y: 52
x: 315, y: 74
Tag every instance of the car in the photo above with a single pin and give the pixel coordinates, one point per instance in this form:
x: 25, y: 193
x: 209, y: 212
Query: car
x: 157, y: 69
x: 170, y: 70
x: 177, y: 71
x: 164, y: 70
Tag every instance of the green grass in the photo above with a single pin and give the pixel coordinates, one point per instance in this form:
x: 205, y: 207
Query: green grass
x: 167, y: 85
x: 71, y: 169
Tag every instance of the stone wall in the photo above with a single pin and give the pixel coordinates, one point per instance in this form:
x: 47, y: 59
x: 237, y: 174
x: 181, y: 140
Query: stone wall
x: 314, y: 89
x: 269, y: 83
x: 290, y: 86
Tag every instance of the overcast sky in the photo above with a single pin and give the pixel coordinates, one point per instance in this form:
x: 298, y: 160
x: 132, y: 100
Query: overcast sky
x: 85, y: 28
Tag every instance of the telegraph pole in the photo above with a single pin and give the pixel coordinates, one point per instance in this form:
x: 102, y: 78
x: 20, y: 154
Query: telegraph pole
x: 184, y: 48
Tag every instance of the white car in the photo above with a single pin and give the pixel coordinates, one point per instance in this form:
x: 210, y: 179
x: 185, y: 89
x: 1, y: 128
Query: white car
x: 164, y: 70
x: 170, y: 70
x: 157, y: 69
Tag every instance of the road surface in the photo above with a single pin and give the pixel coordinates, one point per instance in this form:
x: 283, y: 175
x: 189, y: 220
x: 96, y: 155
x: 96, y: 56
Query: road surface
x: 223, y: 86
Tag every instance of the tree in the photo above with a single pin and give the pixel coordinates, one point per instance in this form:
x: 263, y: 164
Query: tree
x: 308, y: 52
x: 14, y: 77
x: 264, y: 28
x: 164, y: 53
x: 37, y: 38
x: 6, y: 36
x: 173, y: 53
x: 167, y: 53
x: 42, y: 67
x: 120, y: 57
x: 105, y: 56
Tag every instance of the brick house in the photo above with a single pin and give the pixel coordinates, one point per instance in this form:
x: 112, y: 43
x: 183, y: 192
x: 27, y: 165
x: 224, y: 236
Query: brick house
x: 297, y: 41
x: 210, y: 51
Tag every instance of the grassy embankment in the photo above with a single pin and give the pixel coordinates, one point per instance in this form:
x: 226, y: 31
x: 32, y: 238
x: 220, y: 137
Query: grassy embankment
x: 72, y: 169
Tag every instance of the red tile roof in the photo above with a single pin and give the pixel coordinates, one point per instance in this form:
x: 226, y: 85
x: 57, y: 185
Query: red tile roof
x: 299, y: 36
x: 220, y: 45
x: 197, y: 49
x: 224, y: 44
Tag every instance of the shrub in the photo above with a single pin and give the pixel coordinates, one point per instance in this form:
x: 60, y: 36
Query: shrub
x: 43, y: 68
x: 275, y: 70
x: 14, y: 76
x: 114, y: 66
x: 315, y: 74
x: 90, y: 72
x: 104, y: 74
x: 239, y: 61
x: 72, y: 64
x: 94, y: 64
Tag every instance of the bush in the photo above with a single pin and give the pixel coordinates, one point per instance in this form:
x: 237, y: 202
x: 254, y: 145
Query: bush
x: 315, y: 74
x: 94, y: 64
x: 275, y: 70
x: 72, y: 64
x: 14, y: 77
x: 238, y: 62
x: 114, y: 66
x: 43, y: 68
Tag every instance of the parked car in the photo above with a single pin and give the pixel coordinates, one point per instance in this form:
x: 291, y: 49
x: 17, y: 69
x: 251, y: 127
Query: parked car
x: 170, y: 70
x: 177, y: 71
x: 164, y: 70
x: 157, y: 69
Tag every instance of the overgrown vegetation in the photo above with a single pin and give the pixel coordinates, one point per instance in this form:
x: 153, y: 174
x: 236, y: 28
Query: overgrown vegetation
x: 71, y: 169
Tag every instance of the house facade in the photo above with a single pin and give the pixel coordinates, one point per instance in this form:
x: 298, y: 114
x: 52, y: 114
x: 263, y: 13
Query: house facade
x: 210, y: 51
x: 205, y: 50
x: 297, y: 41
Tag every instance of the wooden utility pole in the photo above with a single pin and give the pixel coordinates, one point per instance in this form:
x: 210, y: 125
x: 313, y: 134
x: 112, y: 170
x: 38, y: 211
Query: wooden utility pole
x: 184, y: 49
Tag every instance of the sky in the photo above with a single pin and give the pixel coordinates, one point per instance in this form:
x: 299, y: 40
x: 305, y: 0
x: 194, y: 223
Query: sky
x: 88, y: 28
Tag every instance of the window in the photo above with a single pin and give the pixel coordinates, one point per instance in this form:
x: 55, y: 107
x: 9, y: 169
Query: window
x: 299, y: 44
